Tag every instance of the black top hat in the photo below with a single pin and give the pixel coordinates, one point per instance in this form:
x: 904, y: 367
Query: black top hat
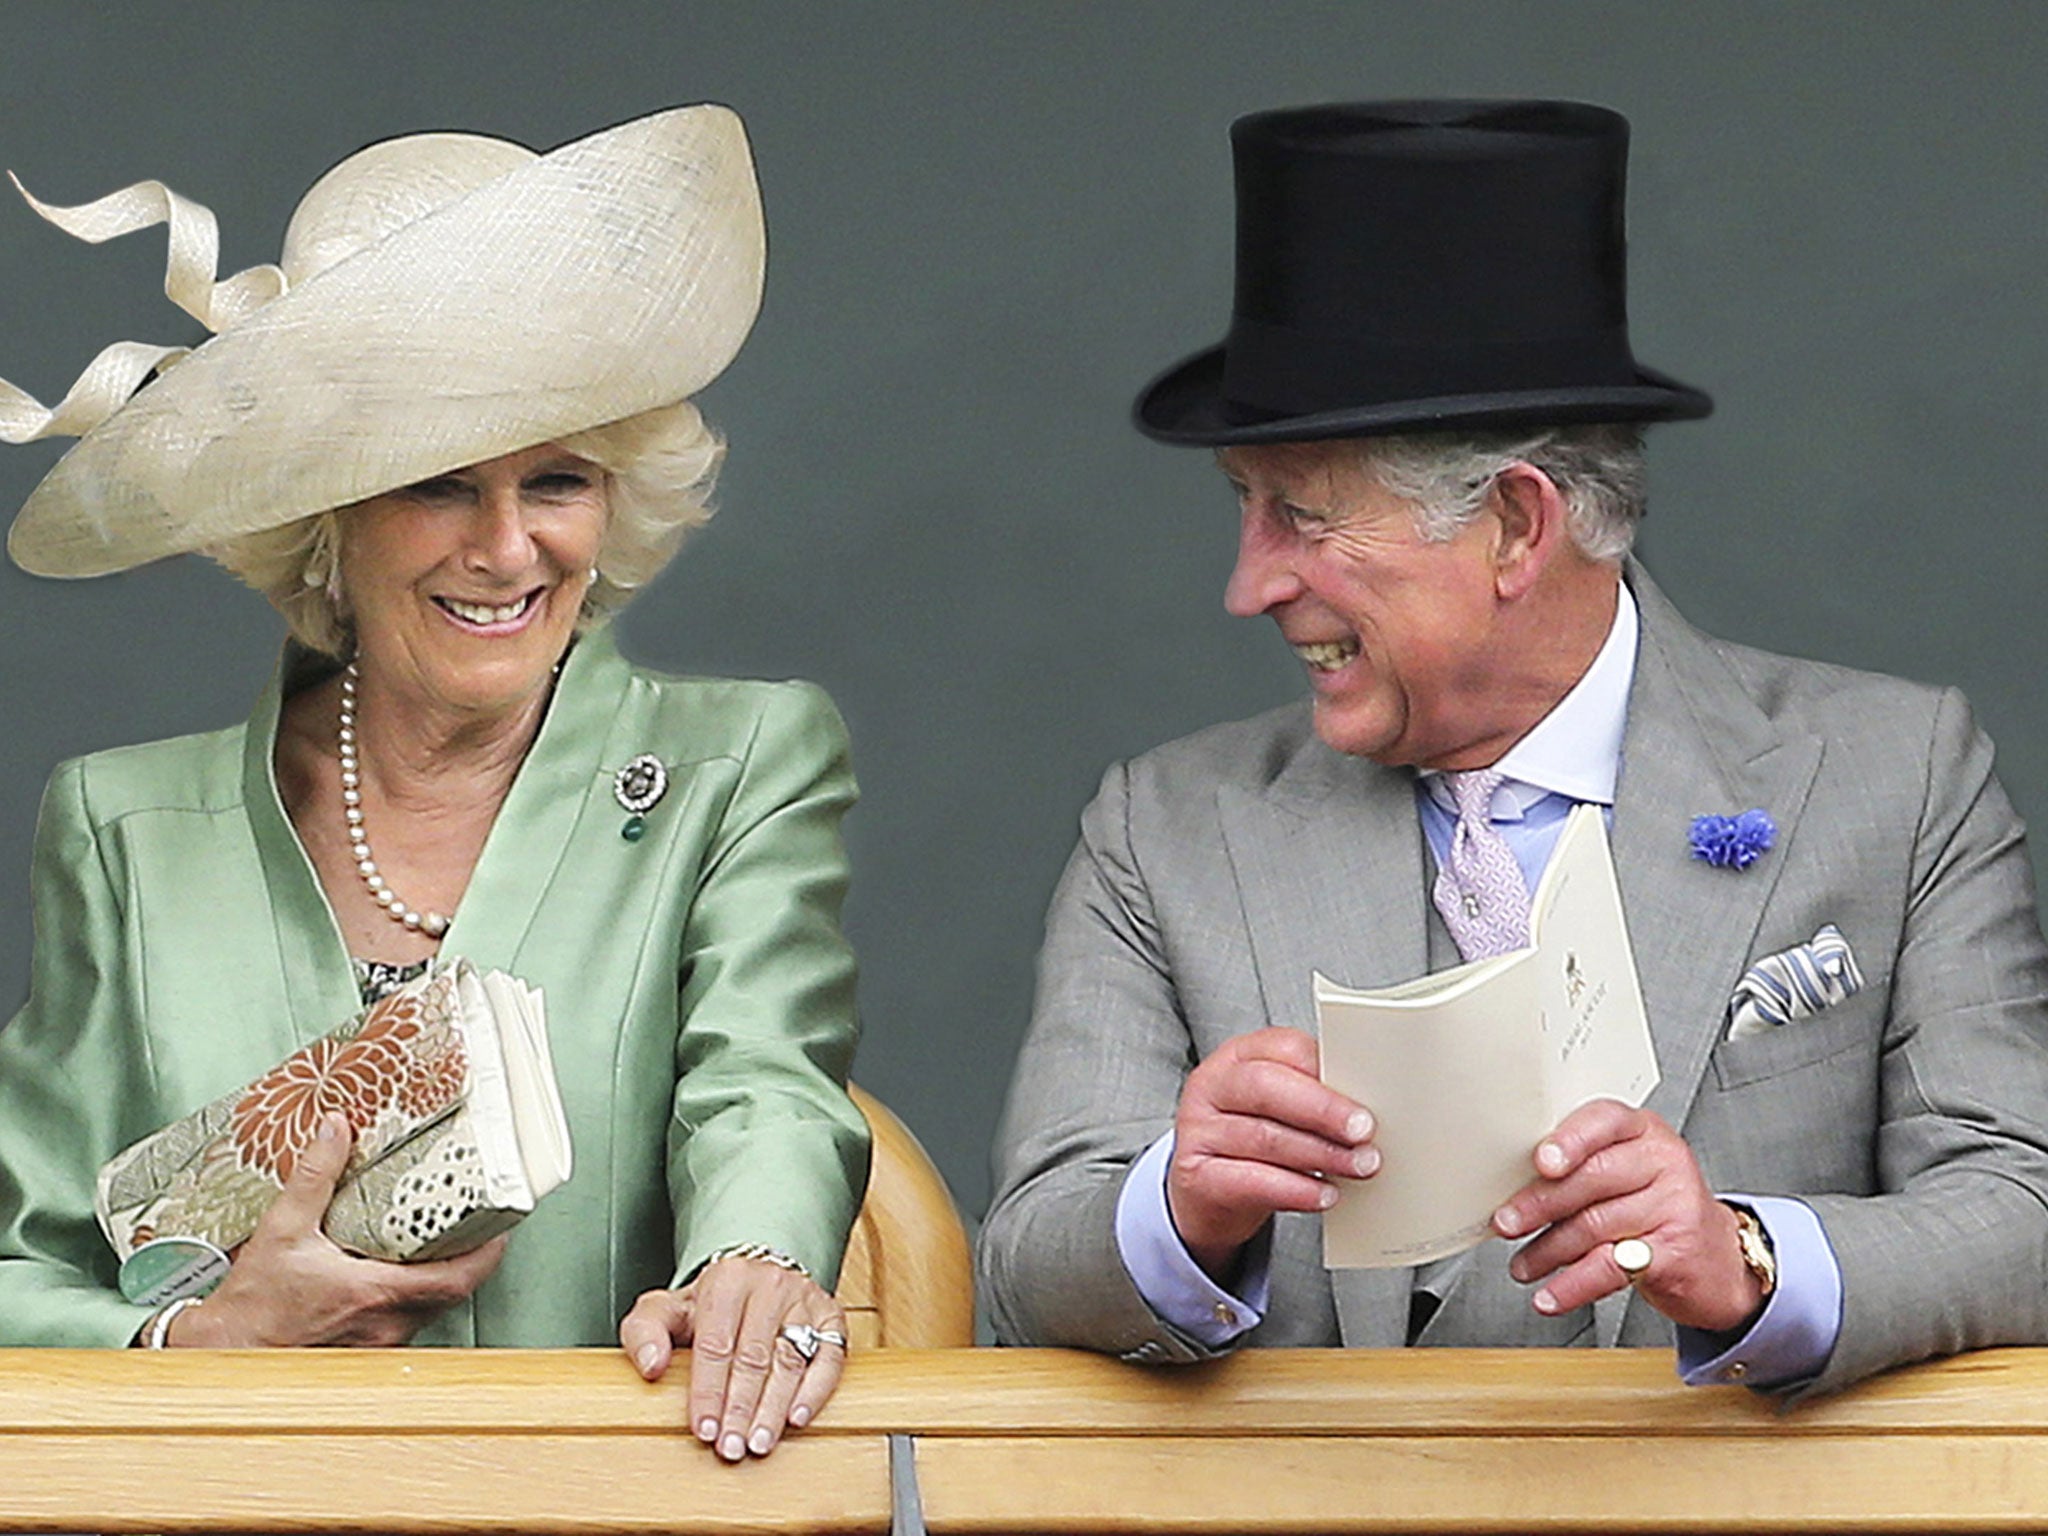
x: 1407, y: 266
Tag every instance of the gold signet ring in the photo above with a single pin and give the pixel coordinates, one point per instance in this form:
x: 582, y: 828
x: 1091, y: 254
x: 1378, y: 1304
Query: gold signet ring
x: 1632, y: 1257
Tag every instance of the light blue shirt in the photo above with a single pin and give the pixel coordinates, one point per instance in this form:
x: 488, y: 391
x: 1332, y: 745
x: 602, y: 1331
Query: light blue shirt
x: 1571, y: 756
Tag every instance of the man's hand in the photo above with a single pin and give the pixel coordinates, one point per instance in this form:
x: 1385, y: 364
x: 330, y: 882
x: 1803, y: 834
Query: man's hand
x: 1609, y: 1172
x: 291, y: 1285
x: 1257, y: 1132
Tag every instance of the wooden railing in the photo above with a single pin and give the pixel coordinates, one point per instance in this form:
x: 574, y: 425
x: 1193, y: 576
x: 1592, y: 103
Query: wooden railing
x: 1020, y: 1441
x: 908, y: 1279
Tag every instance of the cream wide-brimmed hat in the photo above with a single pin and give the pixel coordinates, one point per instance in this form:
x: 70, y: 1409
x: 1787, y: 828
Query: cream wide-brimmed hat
x: 441, y: 299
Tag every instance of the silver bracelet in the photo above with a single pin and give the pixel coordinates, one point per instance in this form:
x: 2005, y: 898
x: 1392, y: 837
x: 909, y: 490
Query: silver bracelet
x: 158, y: 1334
x: 759, y: 1251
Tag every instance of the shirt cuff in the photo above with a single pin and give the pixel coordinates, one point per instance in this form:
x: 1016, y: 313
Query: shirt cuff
x: 1166, y: 1274
x: 1793, y: 1336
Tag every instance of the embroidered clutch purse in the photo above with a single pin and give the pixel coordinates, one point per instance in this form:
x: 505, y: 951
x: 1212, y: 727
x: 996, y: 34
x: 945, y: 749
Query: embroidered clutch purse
x: 459, y: 1130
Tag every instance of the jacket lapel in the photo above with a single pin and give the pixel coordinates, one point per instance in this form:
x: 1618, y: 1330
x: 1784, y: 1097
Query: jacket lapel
x: 1328, y: 860
x: 557, y: 785
x: 1329, y: 864
x: 316, y: 985
x: 1696, y: 744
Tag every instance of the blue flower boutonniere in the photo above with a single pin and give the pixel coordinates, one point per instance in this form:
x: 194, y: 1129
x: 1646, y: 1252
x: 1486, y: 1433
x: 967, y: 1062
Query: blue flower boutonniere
x: 1733, y: 842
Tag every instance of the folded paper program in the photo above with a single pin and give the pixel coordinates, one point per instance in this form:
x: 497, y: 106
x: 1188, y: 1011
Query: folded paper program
x: 1793, y: 983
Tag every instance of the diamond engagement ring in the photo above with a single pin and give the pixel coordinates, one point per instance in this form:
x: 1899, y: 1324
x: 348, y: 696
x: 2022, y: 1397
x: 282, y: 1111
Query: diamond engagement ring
x: 1632, y: 1257
x: 807, y: 1341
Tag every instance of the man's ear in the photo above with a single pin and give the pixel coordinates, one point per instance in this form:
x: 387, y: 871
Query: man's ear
x: 1532, y: 514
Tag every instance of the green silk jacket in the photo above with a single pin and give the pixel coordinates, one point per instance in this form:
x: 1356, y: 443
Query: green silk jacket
x: 699, y: 992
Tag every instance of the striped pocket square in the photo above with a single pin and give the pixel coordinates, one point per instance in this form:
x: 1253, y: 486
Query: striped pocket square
x: 1793, y: 983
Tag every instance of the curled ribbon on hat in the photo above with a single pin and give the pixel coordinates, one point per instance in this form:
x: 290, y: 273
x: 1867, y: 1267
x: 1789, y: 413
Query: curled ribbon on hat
x: 101, y: 390
x: 190, y: 262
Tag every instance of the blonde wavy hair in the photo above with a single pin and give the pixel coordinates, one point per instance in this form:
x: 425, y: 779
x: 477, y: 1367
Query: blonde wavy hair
x: 660, y: 467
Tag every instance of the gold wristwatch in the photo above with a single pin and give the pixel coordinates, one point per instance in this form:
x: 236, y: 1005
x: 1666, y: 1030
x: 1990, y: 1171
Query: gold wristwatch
x: 1755, y: 1246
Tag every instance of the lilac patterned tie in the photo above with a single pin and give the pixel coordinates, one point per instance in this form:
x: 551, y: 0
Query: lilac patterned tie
x: 1479, y: 888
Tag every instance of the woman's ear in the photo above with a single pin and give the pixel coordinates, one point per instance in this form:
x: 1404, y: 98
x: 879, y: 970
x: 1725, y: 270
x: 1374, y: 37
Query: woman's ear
x: 332, y: 536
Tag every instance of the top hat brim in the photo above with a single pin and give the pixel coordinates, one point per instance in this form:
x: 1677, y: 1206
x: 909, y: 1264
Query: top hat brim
x: 1186, y: 405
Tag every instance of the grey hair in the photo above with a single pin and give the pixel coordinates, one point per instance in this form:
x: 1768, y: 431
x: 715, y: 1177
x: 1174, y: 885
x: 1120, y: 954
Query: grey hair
x: 660, y: 467
x: 1598, y: 469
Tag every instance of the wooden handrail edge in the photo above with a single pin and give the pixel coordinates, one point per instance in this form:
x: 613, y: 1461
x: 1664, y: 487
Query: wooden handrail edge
x: 950, y: 1392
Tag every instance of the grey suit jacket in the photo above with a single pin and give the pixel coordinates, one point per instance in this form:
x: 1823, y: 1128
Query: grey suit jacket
x: 1216, y: 873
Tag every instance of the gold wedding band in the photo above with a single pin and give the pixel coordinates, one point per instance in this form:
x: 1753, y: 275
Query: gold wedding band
x: 1632, y: 1256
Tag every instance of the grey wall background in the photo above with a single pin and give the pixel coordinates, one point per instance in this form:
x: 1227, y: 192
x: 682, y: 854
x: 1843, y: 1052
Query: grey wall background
x: 988, y: 226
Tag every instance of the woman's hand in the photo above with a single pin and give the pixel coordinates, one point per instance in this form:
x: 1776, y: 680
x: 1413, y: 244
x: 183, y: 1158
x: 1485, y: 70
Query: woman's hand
x: 747, y: 1378
x: 291, y: 1285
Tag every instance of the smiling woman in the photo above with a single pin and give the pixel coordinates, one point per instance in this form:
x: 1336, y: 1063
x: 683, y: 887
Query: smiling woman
x: 458, y: 597
x: 468, y: 586
x: 447, y: 463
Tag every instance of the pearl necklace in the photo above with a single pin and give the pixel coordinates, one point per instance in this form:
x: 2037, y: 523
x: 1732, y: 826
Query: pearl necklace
x: 432, y: 924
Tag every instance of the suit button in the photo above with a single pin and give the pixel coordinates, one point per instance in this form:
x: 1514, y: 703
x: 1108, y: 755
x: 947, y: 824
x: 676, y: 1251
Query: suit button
x: 1737, y: 1371
x: 1224, y: 1315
